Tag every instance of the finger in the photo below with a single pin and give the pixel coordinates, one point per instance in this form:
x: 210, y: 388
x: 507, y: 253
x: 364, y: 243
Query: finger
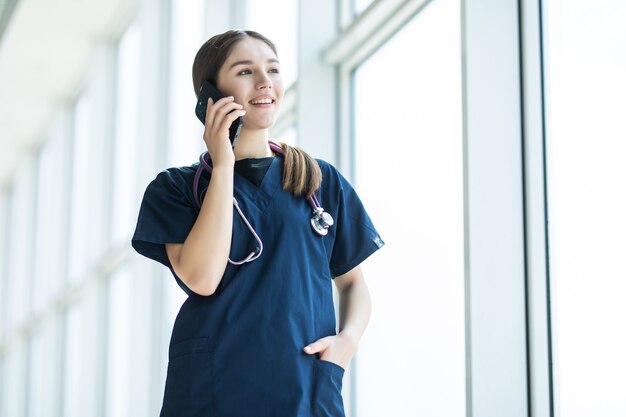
x: 208, y: 117
x: 213, y: 106
x: 230, y: 118
x: 316, y: 347
x: 224, y: 110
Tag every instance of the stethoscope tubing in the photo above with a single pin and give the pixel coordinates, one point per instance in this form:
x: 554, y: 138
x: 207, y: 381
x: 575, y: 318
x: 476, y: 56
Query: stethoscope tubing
x: 204, y: 163
x: 320, y: 221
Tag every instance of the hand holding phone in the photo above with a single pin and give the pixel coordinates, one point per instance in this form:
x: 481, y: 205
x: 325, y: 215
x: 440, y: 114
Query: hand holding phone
x: 208, y: 90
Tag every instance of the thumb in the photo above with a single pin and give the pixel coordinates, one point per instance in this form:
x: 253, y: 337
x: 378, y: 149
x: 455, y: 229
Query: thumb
x: 316, y: 347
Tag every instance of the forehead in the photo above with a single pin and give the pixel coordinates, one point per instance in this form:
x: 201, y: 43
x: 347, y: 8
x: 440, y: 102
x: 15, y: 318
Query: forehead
x: 250, y: 49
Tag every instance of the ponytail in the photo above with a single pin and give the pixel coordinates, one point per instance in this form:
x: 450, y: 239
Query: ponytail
x: 301, y: 173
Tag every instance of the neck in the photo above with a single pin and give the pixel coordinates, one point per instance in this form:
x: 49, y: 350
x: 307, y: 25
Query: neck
x: 252, y: 144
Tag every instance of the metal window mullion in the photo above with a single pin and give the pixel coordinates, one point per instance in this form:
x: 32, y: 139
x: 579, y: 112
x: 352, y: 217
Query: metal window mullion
x: 316, y: 101
x: 539, y: 334
x: 496, y: 355
x: 154, y: 20
x: 370, y: 30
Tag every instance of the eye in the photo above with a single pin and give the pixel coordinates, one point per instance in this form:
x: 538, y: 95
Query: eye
x: 244, y: 72
x: 274, y: 70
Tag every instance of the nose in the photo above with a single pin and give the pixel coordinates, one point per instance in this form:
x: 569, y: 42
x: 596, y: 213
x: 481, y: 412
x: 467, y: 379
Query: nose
x: 263, y: 81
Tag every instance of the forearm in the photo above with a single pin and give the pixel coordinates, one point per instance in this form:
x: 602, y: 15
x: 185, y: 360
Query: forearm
x: 354, y: 308
x: 203, y: 257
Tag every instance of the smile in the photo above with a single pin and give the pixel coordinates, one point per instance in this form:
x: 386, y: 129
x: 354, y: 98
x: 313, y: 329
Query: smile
x: 262, y: 101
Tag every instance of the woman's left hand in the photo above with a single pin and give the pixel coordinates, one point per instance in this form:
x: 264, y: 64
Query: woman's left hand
x: 337, y: 349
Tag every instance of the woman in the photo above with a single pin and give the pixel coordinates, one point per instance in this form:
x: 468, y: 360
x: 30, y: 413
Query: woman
x: 257, y: 338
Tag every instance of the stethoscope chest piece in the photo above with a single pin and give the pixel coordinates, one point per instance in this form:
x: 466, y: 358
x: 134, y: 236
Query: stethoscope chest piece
x: 321, y: 221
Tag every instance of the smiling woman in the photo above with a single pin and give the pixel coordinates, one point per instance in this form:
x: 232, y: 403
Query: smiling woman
x: 277, y: 304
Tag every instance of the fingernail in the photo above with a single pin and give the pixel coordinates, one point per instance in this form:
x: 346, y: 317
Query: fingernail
x: 308, y: 348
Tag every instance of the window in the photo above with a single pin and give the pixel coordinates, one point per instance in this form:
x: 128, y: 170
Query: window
x: 125, y: 202
x: 49, y: 225
x: 262, y: 16
x: 20, y: 250
x: 4, y: 260
x: 409, y: 173
x: 73, y: 362
x: 184, y: 129
x: 36, y: 376
x: 585, y: 107
x: 79, y: 254
x: 359, y: 6
x: 119, y: 347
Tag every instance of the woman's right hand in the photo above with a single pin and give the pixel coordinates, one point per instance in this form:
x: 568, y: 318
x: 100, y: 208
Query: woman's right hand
x: 219, y: 116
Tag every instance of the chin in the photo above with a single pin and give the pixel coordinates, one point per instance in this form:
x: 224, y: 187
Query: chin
x: 259, y: 124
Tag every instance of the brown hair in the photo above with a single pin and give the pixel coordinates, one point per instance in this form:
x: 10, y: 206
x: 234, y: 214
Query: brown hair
x: 301, y: 173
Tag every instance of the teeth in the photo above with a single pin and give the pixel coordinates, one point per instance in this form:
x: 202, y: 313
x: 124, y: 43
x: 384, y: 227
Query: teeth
x: 262, y: 101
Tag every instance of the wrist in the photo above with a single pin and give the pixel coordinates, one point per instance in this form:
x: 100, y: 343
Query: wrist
x: 350, y: 337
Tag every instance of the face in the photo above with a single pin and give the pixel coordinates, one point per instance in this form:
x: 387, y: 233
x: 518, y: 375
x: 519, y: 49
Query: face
x: 251, y: 74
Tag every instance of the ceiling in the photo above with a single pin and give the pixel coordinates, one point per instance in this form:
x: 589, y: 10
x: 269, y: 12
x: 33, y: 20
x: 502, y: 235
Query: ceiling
x: 44, y: 57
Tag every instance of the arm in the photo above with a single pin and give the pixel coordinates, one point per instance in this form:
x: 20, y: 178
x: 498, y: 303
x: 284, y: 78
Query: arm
x: 354, y: 313
x: 201, y: 260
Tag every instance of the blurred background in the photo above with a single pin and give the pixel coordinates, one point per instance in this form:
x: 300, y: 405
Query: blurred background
x: 487, y: 140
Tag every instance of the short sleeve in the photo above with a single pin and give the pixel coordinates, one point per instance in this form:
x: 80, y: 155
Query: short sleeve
x: 166, y: 215
x: 354, y: 237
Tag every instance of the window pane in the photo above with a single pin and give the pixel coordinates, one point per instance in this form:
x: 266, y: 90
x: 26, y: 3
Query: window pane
x: 80, y: 174
x: 119, y: 346
x: 586, y: 131
x: 125, y: 204
x: 4, y: 260
x: 262, y: 16
x: 73, y: 362
x: 185, y: 130
x: 289, y: 136
x: 36, y: 376
x: 361, y: 5
x: 50, y: 235
x: 409, y: 172
x: 21, y: 243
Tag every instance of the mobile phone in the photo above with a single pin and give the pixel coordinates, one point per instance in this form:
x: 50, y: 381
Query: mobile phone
x: 207, y: 89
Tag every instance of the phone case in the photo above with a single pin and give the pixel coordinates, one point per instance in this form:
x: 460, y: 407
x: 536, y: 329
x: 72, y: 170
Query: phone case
x: 209, y: 90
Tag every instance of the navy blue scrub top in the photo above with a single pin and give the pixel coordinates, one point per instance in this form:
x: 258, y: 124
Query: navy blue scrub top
x: 239, y: 351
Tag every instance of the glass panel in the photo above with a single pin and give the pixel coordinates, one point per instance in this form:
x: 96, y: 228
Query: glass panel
x: 21, y: 247
x: 36, y: 376
x: 50, y: 234
x: 73, y: 362
x: 119, y: 344
x: 409, y: 173
x: 289, y: 136
x: 125, y: 198
x: 4, y: 267
x: 361, y: 5
x: 3, y: 391
x: 262, y: 17
x: 585, y: 108
x: 80, y: 174
x: 184, y: 129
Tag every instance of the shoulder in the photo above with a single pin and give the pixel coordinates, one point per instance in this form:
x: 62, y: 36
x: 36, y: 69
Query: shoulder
x: 172, y: 181
x: 330, y: 174
x: 327, y: 168
x: 175, y: 176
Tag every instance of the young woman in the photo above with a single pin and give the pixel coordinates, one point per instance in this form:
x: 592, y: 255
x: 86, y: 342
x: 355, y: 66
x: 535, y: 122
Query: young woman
x: 249, y: 245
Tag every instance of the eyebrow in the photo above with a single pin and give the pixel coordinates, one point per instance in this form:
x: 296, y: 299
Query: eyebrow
x: 248, y: 62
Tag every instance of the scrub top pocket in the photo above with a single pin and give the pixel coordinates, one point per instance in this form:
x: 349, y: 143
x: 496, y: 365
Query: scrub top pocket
x: 189, y: 379
x: 328, y: 379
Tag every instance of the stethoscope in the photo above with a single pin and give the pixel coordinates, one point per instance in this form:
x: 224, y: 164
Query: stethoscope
x: 320, y: 221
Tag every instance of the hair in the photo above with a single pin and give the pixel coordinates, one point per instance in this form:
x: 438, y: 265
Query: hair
x: 301, y: 173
